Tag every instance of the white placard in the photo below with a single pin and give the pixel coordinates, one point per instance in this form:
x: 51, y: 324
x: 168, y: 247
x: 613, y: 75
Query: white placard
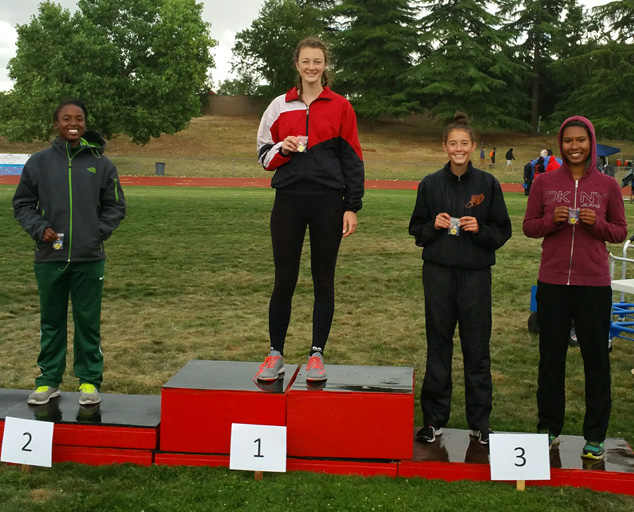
x: 519, y: 457
x: 27, y: 442
x: 258, y: 448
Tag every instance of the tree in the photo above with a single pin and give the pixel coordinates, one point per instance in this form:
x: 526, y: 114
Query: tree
x: 465, y: 64
x: 373, y: 50
x: 618, y: 15
x: 140, y: 66
x: 264, y: 51
x: 537, y: 22
x: 600, y: 88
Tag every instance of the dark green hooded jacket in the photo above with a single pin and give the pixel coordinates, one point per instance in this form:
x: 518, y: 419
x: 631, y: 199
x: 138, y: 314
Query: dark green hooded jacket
x: 75, y: 192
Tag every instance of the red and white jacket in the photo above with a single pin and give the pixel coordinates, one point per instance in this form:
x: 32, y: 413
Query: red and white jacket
x: 575, y: 254
x: 333, y: 158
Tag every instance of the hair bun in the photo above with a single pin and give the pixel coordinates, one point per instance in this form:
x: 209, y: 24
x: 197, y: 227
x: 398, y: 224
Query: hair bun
x: 460, y: 118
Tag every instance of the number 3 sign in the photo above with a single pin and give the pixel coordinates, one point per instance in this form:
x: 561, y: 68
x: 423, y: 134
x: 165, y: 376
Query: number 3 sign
x: 27, y: 442
x: 519, y: 457
x: 258, y: 448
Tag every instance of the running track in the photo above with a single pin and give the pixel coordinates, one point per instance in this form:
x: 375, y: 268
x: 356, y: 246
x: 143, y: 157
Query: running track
x: 169, y: 181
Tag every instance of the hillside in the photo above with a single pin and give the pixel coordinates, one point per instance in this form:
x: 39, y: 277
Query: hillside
x: 234, y: 137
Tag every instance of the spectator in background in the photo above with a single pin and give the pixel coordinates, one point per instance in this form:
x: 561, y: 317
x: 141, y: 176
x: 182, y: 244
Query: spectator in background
x: 492, y: 155
x: 509, y: 159
x: 549, y: 151
x: 528, y: 178
x: 482, y: 157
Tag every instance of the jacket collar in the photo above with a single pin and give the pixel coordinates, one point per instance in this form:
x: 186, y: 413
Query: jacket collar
x: 293, y: 95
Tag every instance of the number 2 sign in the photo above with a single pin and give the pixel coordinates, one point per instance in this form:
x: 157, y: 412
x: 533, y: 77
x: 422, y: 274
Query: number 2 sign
x: 27, y: 442
x: 258, y: 448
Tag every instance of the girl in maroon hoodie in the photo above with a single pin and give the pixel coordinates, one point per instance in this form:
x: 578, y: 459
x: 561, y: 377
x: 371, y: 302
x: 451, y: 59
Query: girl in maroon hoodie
x: 576, y: 209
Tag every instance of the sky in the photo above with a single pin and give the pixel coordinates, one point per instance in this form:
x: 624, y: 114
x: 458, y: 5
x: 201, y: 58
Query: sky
x: 227, y: 18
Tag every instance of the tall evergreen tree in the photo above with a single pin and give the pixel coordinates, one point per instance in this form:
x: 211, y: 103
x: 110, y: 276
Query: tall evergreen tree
x: 372, y: 51
x: 465, y: 64
x: 534, y: 24
x: 619, y: 17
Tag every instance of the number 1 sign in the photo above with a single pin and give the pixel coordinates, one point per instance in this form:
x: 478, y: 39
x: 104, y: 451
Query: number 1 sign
x: 258, y: 448
x: 27, y: 442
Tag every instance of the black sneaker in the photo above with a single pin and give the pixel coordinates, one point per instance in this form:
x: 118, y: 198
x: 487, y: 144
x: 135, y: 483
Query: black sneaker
x: 482, y: 436
x: 428, y: 434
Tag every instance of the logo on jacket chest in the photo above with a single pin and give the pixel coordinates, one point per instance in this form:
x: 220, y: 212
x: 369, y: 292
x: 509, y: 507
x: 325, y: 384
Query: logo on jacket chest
x: 586, y: 199
x: 475, y: 201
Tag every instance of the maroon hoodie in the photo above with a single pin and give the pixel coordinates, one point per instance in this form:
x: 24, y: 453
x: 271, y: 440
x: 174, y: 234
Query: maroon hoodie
x: 575, y: 254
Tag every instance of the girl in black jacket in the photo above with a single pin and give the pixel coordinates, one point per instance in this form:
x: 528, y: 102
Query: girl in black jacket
x: 460, y: 220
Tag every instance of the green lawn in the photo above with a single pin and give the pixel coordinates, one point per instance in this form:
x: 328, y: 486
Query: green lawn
x: 189, y: 276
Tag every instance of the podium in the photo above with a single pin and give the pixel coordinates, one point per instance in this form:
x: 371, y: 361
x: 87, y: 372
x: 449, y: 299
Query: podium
x: 122, y: 428
x: 204, y: 398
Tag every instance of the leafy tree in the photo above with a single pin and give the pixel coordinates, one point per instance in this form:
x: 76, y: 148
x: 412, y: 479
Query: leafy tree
x: 465, y: 64
x: 373, y: 49
x: 139, y: 65
x: 236, y: 87
x: 264, y: 51
x: 537, y: 23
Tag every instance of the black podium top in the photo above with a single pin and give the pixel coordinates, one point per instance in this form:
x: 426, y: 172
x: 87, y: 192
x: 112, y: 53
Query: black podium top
x: 114, y: 410
x: 226, y: 376
x: 369, y: 379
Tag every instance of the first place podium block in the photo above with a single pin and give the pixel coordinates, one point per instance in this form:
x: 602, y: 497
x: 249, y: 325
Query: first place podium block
x: 204, y: 398
x: 360, y: 412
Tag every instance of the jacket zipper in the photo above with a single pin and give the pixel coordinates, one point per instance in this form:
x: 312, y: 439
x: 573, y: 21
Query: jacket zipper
x: 572, y: 244
x: 70, y: 198
x: 307, y: 114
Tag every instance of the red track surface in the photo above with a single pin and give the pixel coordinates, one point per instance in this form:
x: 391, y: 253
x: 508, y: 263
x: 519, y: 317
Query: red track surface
x: 169, y: 181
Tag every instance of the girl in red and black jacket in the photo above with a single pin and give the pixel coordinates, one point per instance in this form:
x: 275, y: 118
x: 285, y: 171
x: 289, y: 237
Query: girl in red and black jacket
x: 576, y: 209
x: 309, y: 138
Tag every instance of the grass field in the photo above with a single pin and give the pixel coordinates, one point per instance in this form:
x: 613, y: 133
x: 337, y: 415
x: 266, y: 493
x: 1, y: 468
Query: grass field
x: 189, y: 276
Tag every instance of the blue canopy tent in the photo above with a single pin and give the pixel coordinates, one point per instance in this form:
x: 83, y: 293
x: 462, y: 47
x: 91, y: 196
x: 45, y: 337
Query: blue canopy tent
x: 603, y: 150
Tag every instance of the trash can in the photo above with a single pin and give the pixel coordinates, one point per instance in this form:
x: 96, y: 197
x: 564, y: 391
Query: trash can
x: 160, y: 168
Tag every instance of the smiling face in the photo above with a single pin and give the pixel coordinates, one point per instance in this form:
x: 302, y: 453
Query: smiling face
x: 459, y: 147
x: 311, y: 65
x: 70, y: 124
x: 575, y: 146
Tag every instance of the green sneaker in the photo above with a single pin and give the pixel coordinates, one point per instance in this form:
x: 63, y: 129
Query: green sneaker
x: 42, y: 395
x: 553, y: 440
x: 88, y: 394
x: 593, y: 450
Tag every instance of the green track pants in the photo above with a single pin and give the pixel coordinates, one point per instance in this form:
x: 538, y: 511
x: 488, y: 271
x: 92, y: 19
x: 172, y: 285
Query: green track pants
x: 83, y: 283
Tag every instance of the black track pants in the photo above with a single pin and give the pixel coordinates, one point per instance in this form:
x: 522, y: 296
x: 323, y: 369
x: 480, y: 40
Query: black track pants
x: 590, y: 307
x: 323, y: 215
x: 463, y: 296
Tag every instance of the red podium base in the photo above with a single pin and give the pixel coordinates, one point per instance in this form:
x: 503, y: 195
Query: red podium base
x: 204, y: 398
x: 360, y: 412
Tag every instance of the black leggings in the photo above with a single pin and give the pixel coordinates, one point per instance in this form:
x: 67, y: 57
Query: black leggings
x: 291, y: 214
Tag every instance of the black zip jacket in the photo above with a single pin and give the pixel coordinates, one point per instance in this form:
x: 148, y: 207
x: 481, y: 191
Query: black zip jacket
x: 77, y: 193
x: 477, y: 194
